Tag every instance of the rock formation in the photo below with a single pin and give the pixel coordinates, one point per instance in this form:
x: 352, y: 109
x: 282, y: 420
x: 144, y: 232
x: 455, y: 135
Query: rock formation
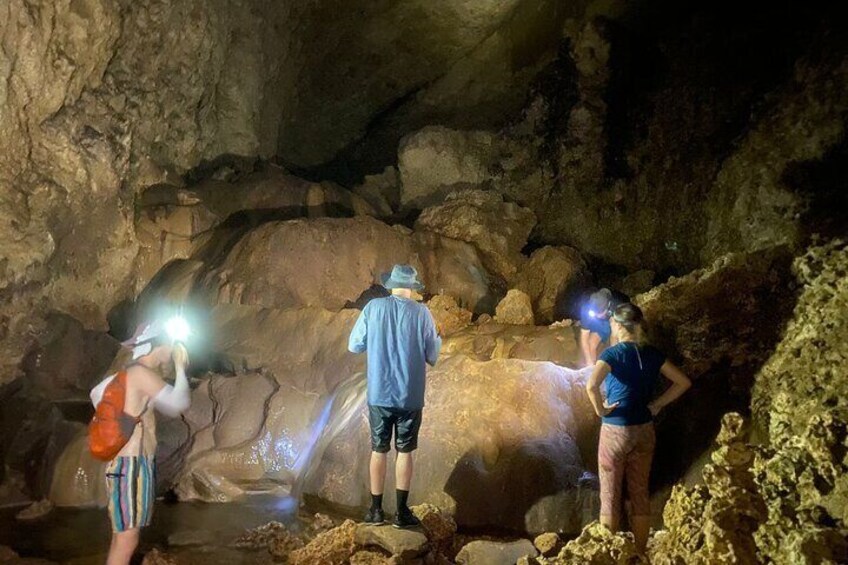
x: 498, y: 229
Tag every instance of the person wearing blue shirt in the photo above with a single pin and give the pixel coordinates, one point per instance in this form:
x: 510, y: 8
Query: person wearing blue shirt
x: 595, y: 329
x: 626, y: 443
x: 400, y: 337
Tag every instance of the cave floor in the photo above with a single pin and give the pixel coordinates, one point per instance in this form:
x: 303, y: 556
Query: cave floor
x: 199, y: 532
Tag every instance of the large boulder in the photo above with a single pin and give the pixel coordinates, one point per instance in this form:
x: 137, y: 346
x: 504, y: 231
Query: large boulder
x: 503, y: 443
x: 436, y: 161
x: 328, y: 263
x: 381, y: 191
x: 174, y: 222
x: 553, y: 278
x: 497, y: 228
x: 515, y: 309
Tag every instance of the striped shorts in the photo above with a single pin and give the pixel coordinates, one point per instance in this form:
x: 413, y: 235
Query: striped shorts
x: 131, y: 488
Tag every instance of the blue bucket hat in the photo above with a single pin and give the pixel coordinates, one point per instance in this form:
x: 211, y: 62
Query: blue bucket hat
x: 402, y: 276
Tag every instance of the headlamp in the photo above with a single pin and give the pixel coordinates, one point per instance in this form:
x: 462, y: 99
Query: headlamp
x: 177, y: 329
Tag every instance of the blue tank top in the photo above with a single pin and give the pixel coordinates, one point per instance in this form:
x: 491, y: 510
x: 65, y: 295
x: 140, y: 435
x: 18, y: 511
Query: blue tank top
x: 631, y: 382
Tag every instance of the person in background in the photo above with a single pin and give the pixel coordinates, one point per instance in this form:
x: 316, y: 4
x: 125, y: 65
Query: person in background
x: 130, y: 483
x: 595, y: 329
x: 626, y: 444
x: 400, y: 337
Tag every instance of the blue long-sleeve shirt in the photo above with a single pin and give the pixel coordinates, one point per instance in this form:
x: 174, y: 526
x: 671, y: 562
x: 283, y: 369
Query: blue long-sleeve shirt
x: 400, y: 337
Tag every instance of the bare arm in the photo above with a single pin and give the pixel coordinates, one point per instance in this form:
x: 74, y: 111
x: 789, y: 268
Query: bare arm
x: 593, y: 389
x: 169, y: 400
x: 680, y: 383
x: 589, y: 346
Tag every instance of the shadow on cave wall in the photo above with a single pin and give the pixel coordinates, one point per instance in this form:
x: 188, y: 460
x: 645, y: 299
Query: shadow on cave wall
x: 824, y: 185
x: 687, y: 428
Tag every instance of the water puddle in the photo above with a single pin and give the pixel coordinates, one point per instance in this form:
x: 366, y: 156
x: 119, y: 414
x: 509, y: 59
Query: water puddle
x: 81, y: 535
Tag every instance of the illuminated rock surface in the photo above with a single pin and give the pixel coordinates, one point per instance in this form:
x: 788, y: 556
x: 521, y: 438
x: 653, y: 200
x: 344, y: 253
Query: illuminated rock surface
x: 515, y: 309
x: 504, y: 443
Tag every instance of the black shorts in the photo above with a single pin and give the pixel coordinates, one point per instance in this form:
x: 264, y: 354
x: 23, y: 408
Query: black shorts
x: 405, y: 424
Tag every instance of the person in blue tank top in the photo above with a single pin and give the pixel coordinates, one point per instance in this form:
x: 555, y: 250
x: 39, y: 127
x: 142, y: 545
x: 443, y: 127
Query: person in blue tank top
x: 631, y: 370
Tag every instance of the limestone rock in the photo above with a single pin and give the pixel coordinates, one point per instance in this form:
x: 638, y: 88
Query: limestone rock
x: 783, y: 403
x: 515, y: 309
x: 489, y: 552
x: 405, y: 544
x: 450, y: 317
x: 436, y: 160
x: 553, y: 278
x: 174, y: 222
x: 751, y: 208
x: 372, y: 557
x: 330, y: 262
x: 68, y: 360
x: 35, y: 511
x: 277, y: 538
x: 599, y: 546
x: 438, y: 525
x: 488, y: 341
x: 715, y: 522
x: 381, y: 191
x: 548, y: 544
x: 334, y: 547
x: 527, y: 430
x: 498, y: 229
x: 712, y: 314
x: 156, y: 557
x: 638, y: 282
x: 462, y: 159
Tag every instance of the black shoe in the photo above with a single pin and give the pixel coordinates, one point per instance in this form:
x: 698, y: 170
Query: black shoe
x: 375, y: 516
x: 406, y: 519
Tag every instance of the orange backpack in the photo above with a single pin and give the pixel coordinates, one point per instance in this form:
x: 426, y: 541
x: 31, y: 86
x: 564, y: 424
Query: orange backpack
x: 111, y: 428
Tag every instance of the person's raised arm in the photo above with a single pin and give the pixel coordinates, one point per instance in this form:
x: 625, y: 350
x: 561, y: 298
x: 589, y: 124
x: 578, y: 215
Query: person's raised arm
x: 680, y: 383
x: 358, y: 341
x: 593, y: 388
x: 167, y: 399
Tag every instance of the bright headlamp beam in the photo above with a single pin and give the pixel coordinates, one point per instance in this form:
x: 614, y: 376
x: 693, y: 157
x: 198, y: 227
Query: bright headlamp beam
x: 177, y: 328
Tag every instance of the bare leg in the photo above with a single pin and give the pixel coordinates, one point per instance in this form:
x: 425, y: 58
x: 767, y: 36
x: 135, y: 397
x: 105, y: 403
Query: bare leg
x: 610, y: 521
x: 403, y: 471
x: 641, y: 527
x: 122, y: 547
x: 378, y: 472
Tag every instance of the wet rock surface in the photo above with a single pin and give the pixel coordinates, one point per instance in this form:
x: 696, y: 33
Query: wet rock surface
x: 504, y: 443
